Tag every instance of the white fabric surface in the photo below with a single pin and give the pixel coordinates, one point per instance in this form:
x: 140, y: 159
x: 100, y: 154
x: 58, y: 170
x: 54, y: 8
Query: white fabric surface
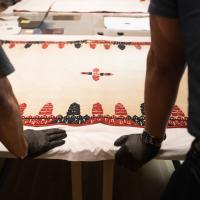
x: 95, y: 142
x: 64, y: 38
x: 30, y: 6
x: 37, y: 67
x: 78, y: 6
x: 98, y: 6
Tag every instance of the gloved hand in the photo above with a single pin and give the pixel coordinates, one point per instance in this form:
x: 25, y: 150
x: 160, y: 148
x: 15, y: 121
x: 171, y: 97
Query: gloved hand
x: 135, y: 151
x: 42, y: 141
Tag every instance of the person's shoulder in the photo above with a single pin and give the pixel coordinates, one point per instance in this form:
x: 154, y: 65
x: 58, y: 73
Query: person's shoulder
x: 163, y: 8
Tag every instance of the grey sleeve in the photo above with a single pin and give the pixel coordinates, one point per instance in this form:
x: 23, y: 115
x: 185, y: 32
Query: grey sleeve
x: 164, y: 8
x: 6, y: 67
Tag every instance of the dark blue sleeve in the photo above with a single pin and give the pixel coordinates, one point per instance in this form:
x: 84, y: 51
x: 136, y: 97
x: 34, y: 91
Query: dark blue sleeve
x: 164, y: 8
x: 6, y: 67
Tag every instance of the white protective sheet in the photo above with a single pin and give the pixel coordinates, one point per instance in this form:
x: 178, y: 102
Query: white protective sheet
x: 95, y: 142
x: 64, y: 38
x: 98, y: 6
x: 30, y: 6
x: 79, y: 6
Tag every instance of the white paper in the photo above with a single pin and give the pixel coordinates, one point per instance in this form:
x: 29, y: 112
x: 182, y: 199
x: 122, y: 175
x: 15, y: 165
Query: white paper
x: 127, y: 23
x: 9, y: 26
x: 9, y: 30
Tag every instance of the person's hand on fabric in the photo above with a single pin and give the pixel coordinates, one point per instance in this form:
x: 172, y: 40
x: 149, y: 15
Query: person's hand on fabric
x: 41, y: 141
x: 136, y: 150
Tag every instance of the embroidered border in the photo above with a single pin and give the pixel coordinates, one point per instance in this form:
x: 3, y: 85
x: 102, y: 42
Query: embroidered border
x: 73, y: 117
x: 78, y: 44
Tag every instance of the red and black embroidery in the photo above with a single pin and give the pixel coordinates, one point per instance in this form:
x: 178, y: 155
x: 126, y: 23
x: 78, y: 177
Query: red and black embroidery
x: 96, y: 74
x: 74, y: 117
x: 77, y: 44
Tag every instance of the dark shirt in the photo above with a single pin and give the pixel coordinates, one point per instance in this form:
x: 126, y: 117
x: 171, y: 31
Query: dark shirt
x: 5, y: 66
x: 188, y: 14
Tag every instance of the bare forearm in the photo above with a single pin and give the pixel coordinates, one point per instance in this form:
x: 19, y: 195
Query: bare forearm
x: 161, y: 88
x: 11, y: 128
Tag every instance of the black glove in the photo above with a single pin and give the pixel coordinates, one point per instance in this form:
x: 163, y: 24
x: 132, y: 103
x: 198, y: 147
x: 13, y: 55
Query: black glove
x: 135, y: 150
x: 42, y: 141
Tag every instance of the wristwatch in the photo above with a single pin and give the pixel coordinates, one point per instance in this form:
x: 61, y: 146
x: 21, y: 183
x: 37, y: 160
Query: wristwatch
x: 148, y: 138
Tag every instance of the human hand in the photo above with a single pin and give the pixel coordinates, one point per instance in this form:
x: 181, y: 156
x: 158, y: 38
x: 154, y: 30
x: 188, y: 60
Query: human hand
x: 41, y: 141
x: 136, y: 150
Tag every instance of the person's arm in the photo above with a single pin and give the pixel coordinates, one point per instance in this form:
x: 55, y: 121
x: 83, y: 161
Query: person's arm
x: 165, y: 67
x: 28, y: 143
x: 11, y: 128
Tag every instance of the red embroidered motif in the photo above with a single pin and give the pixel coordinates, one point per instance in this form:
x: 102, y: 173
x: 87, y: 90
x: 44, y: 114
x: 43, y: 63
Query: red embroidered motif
x: 46, y: 110
x: 177, y: 118
x: 45, y: 45
x: 120, y: 110
x: 112, y: 121
x: 96, y: 74
x: 61, y: 45
x: 11, y: 45
x: 93, y: 45
x: 107, y: 46
x: 138, y: 46
x: 22, y: 108
x: 97, y: 110
x: 38, y: 120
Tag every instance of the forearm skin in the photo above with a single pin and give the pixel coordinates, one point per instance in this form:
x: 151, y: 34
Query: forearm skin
x: 161, y: 88
x: 11, y: 127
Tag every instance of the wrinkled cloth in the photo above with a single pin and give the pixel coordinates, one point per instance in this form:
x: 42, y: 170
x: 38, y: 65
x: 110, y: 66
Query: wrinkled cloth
x: 95, y: 143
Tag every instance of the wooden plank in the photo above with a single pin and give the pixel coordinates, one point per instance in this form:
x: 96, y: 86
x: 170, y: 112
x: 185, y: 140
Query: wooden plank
x: 108, y: 169
x: 76, y: 173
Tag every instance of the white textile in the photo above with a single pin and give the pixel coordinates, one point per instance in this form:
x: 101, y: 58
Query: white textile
x: 98, y: 6
x: 78, y: 6
x: 90, y: 142
x: 30, y: 6
x: 95, y: 142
